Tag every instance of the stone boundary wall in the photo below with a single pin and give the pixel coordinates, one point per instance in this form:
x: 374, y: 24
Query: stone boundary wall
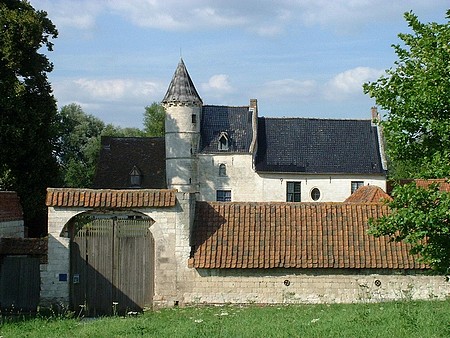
x: 283, y: 286
x: 12, y: 229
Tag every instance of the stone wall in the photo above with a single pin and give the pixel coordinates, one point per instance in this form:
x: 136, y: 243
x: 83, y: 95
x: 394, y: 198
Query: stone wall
x: 284, y: 286
x: 12, y: 229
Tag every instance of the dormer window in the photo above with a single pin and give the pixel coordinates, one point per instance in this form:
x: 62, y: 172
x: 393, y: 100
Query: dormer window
x: 222, y: 170
x: 223, y: 141
x: 135, y: 177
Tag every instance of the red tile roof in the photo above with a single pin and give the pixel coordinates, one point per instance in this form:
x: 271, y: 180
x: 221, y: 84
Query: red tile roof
x: 106, y: 198
x: 443, y: 183
x: 368, y: 194
x: 293, y: 235
x: 10, y: 208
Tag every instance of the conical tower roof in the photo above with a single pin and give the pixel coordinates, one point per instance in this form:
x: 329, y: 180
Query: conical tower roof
x: 181, y: 88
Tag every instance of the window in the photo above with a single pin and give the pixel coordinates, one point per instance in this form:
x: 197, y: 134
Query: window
x: 356, y: 185
x: 222, y: 170
x: 293, y: 192
x: 194, y: 118
x: 135, y: 177
x: 223, y: 195
x: 223, y: 141
x: 315, y: 194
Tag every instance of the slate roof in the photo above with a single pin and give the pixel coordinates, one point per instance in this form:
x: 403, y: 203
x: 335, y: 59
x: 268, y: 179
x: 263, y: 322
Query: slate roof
x: 368, y: 194
x: 118, y: 156
x: 239, y: 235
x: 311, y: 145
x: 181, y: 88
x: 10, y: 207
x: 106, y: 198
x: 235, y: 121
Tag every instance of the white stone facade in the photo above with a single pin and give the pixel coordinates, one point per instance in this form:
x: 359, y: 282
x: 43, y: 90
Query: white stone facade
x: 248, y: 185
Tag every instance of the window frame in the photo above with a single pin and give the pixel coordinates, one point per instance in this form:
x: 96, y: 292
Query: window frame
x: 222, y: 170
x: 223, y: 195
x: 312, y: 194
x: 356, y: 184
x: 293, y: 191
x: 135, y: 177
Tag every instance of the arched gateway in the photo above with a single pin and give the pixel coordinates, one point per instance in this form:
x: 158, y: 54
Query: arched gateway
x: 108, y: 238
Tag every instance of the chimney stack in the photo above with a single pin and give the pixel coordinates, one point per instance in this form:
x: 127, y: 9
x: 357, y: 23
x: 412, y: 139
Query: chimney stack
x: 254, y: 105
x: 375, y: 115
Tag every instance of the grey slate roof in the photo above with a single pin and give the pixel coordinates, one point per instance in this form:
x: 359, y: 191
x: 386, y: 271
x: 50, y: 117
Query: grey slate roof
x: 317, y: 146
x: 118, y: 156
x: 181, y: 88
x: 235, y: 121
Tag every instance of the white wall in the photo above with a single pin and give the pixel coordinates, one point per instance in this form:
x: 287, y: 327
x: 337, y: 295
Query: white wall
x: 248, y: 186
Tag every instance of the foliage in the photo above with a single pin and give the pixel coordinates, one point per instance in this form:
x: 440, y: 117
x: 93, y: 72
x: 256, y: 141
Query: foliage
x: 388, y: 319
x: 154, y: 120
x: 416, y: 94
x: 420, y: 217
x: 28, y: 126
x: 79, y: 145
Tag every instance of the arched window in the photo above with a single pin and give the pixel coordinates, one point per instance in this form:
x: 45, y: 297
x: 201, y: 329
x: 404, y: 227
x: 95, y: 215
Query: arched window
x: 223, y: 141
x: 222, y: 170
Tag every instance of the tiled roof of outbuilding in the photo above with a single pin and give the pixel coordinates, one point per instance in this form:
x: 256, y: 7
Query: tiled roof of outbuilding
x: 368, y: 194
x: 118, y: 156
x: 106, y: 198
x: 318, y: 146
x: 181, y: 88
x: 10, y: 207
x: 293, y: 235
x: 236, y: 122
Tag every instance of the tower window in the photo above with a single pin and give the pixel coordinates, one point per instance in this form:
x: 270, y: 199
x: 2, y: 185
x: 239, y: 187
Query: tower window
x: 194, y: 118
x: 223, y: 141
x: 293, y: 192
x: 135, y: 177
x: 222, y: 170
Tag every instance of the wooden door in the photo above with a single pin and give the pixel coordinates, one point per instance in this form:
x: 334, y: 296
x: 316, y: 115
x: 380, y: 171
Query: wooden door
x: 112, y: 267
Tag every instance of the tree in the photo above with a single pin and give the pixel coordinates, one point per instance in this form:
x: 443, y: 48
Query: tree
x: 79, y: 146
x: 416, y: 94
x: 28, y: 126
x: 154, y: 120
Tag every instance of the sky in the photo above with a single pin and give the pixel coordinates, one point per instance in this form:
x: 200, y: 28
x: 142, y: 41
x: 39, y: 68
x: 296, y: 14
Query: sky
x: 298, y: 58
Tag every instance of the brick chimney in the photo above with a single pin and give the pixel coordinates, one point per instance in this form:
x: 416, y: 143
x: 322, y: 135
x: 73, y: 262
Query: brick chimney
x: 254, y: 105
x: 375, y: 115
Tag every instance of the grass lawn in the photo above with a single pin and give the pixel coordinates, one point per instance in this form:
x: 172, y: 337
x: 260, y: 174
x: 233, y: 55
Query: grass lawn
x: 390, y: 319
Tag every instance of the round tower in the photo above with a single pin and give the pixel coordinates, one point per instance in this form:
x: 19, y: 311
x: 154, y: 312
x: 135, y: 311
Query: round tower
x: 183, y: 108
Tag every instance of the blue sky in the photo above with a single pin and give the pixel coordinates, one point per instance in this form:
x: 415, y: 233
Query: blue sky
x: 302, y: 58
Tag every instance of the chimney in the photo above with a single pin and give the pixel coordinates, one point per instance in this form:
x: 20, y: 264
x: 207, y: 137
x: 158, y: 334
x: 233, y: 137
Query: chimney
x: 375, y: 115
x: 254, y: 105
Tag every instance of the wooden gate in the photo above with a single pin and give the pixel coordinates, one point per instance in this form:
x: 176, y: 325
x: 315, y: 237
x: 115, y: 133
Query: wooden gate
x: 112, y: 267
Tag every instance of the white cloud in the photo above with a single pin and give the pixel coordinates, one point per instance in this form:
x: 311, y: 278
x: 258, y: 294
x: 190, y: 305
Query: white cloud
x: 217, y: 86
x: 350, y: 82
x: 289, y: 89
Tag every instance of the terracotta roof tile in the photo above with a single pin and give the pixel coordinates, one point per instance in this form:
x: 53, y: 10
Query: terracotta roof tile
x: 106, y: 198
x: 10, y: 208
x: 293, y: 235
x: 368, y: 194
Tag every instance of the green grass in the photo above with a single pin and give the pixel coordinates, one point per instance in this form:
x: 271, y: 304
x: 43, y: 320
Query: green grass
x: 393, y: 319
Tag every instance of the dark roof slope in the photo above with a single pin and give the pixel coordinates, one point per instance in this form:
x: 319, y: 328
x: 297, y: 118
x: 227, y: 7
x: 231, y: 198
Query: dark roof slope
x: 118, y: 156
x: 10, y: 207
x: 235, y: 121
x: 293, y: 235
x: 181, y: 88
x: 317, y: 146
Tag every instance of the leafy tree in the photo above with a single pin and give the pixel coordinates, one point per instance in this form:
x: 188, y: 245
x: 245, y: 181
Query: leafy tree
x: 416, y: 94
x: 79, y: 145
x: 28, y: 126
x: 154, y: 120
